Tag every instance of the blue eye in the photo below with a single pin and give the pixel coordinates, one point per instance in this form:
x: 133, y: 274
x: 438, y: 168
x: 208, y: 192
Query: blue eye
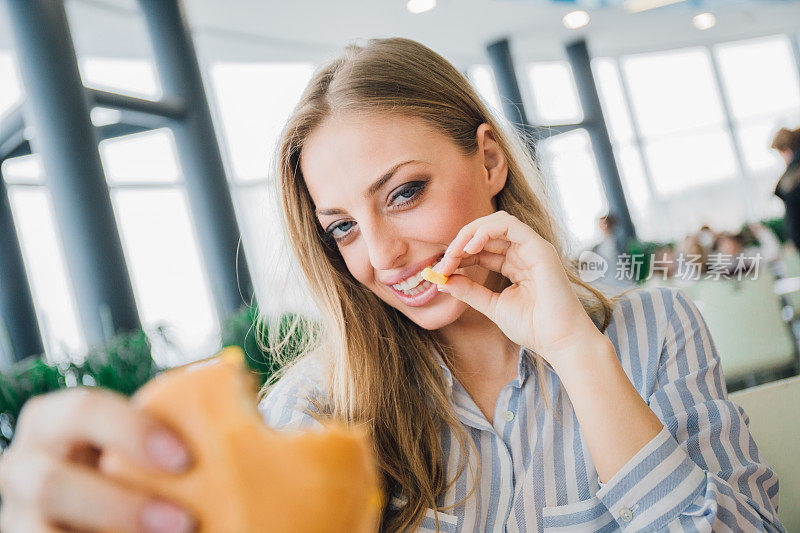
x: 410, y: 190
x: 410, y: 193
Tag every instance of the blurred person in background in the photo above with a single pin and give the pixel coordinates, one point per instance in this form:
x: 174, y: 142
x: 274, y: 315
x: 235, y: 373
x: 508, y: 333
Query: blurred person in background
x: 759, y: 239
x: 787, y: 143
x: 706, y: 237
x: 691, y: 260
x: 607, y: 247
x: 727, y: 255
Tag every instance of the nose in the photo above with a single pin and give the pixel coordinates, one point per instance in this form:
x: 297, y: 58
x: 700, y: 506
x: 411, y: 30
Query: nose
x: 385, y: 245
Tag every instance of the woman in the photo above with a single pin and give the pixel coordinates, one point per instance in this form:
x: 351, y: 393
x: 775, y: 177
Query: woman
x: 787, y: 143
x: 518, y: 398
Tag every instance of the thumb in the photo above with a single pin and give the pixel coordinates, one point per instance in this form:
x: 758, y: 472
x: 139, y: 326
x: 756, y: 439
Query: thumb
x: 473, y: 294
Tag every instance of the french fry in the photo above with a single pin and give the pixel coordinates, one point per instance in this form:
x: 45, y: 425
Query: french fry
x: 433, y: 276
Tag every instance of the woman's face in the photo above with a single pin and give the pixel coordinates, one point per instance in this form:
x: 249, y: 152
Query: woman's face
x: 393, y: 194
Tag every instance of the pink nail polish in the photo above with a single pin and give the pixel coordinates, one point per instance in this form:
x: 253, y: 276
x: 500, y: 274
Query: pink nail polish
x: 162, y: 517
x: 167, y: 451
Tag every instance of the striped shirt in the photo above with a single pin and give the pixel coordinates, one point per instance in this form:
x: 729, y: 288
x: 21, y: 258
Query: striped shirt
x: 702, y: 472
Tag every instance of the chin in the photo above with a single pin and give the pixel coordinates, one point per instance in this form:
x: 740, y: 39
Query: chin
x: 433, y: 318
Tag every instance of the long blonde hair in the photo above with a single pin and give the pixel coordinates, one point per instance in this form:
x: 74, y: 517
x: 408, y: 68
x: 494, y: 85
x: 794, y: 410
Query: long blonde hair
x: 384, y: 373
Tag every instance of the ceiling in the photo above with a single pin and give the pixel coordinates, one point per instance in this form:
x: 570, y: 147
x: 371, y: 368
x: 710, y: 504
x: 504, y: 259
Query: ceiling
x: 245, y: 30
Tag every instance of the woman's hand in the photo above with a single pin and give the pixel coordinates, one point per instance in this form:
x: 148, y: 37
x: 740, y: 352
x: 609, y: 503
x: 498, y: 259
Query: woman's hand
x: 49, y: 476
x: 540, y: 311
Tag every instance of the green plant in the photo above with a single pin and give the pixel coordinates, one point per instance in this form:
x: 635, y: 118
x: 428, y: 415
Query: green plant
x: 240, y: 330
x: 125, y: 364
x: 776, y: 225
x: 641, y: 252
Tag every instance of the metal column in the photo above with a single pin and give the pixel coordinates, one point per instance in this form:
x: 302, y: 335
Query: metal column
x: 57, y: 109
x: 198, y: 150
x: 502, y: 64
x: 595, y: 124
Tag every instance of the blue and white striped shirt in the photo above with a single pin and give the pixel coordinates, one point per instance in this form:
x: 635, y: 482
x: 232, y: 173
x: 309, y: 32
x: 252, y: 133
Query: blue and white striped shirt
x: 702, y: 472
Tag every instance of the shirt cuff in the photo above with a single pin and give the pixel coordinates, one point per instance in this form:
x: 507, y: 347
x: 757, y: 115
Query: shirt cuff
x: 654, y: 486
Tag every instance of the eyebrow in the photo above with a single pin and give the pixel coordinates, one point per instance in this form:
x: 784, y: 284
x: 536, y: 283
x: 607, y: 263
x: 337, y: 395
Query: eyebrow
x: 372, y: 189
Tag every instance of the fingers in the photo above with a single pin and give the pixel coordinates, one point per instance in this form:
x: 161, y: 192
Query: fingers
x: 471, y: 293
x: 488, y: 260
x: 59, y: 492
x: 495, y: 233
x: 450, y: 262
x: 102, y: 419
x: 498, y: 225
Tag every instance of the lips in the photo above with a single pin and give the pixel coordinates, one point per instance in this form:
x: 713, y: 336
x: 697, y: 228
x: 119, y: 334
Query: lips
x: 411, y: 270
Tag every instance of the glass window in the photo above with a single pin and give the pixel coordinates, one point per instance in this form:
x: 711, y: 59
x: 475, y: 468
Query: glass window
x: 136, y: 77
x: 690, y: 160
x: 144, y: 157
x: 760, y: 76
x: 253, y: 101
x: 569, y: 164
x: 169, y: 280
x: 482, y: 78
x: 673, y: 91
x: 118, y: 28
x: 755, y: 136
x: 25, y: 169
x: 275, y: 275
x: 11, y: 87
x: 555, y: 97
x: 47, y: 273
x: 612, y: 99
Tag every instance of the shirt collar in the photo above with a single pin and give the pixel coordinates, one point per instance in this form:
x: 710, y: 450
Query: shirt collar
x: 526, y: 358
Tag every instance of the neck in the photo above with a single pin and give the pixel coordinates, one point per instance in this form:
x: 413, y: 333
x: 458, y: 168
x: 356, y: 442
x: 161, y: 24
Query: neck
x: 480, y: 348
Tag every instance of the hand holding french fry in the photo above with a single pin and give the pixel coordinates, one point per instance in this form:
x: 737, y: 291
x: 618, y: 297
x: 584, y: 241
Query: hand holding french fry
x: 540, y: 310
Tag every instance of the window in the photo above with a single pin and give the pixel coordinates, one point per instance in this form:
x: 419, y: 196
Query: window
x: 136, y: 77
x: 760, y: 76
x: 170, y: 284
x: 569, y: 165
x: 612, y: 99
x: 44, y: 260
x: 761, y: 81
x: 11, y: 88
x: 482, y: 78
x: 253, y: 101
x: 145, y: 157
x: 555, y: 98
x: 672, y: 92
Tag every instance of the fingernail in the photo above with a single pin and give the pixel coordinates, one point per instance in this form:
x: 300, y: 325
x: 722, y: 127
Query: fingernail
x: 441, y: 288
x: 167, y: 450
x: 162, y: 517
x: 469, y: 245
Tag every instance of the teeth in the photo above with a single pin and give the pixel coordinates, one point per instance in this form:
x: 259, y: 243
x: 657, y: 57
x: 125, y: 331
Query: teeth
x: 420, y: 288
x: 410, y: 282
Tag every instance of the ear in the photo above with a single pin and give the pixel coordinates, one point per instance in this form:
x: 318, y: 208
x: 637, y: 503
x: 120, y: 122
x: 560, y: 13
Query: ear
x: 493, y: 159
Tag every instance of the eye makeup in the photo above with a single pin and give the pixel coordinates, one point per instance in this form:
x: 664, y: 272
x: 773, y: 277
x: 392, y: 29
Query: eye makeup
x: 410, y: 193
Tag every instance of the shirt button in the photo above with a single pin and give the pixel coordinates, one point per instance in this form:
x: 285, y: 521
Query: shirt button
x: 626, y: 515
x: 509, y: 416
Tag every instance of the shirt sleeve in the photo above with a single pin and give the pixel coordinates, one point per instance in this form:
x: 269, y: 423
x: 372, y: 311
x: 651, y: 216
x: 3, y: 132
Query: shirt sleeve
x: 703, y: 471
x: 289, y: 405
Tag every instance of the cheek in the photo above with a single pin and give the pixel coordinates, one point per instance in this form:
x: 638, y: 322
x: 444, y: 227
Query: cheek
x: 455, y: 210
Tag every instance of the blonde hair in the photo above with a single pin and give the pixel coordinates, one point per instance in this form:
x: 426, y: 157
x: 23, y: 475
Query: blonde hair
x: 786, y: 139
x: 384, y: 372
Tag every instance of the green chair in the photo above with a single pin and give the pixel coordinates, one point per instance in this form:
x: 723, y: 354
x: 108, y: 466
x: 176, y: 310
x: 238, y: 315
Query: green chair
x: 745, y: 321
x: 774, y: 411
